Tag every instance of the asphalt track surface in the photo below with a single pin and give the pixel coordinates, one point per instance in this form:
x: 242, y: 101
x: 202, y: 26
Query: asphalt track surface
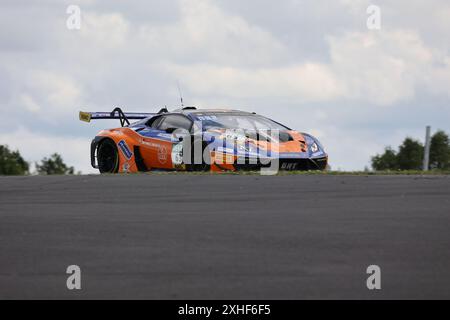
x: 169, y: 236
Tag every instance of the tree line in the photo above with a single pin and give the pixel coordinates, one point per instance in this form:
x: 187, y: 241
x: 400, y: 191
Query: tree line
x: 12, y: 163
x: 410, y: 153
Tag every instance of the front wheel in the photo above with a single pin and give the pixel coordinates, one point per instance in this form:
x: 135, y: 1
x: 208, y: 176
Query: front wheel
x: 107, y: 157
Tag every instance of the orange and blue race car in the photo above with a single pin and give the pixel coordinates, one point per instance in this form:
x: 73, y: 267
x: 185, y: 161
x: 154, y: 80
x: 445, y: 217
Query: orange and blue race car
x: 192, y: 139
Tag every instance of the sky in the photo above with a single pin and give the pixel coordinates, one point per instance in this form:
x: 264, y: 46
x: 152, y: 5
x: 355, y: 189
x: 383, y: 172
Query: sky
x: 314, y: 66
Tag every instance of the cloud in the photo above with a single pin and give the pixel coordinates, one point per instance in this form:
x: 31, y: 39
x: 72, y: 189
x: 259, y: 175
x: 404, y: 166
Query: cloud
x: 60, y: 92
x: 437, y: 81
x: 206, y: 34
x: 106, y: 31
x: 28, y: 102
x: 381, y: 67
x: 308, y: 82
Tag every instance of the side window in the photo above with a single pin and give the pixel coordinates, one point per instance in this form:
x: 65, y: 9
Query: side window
x: 175, y: 121
x: 154, y: 122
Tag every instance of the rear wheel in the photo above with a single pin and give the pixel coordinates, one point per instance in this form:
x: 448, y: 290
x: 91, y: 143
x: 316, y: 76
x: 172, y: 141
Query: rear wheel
x: 107, y: 157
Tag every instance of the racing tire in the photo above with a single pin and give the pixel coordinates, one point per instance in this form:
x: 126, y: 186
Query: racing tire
x: 107, y: 157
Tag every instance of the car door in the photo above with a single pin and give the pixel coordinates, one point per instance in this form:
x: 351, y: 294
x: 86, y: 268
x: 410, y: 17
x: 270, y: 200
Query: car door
x: 163, y: 146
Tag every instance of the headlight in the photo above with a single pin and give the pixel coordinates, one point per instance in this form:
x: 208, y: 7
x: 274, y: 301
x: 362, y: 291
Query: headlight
x: 314, y: 147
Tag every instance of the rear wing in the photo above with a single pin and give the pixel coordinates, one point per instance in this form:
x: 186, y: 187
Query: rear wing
x: 117, y: 113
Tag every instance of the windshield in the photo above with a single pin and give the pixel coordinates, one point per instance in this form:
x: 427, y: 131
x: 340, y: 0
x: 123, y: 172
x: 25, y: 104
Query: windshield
x: 237, y: 121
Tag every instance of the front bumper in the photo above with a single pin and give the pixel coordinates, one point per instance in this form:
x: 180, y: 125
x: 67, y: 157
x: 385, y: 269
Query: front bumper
x: 288, y: 164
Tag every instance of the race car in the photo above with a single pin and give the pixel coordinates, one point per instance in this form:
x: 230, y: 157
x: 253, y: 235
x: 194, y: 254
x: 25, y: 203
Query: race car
x: 192, y: 139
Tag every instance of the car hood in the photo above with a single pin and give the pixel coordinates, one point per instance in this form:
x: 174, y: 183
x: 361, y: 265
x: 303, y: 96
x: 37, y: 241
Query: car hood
x: 248, y: 141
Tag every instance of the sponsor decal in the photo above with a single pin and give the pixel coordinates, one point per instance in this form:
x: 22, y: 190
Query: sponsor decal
x: 149, y: 143
x: 289, y: 165
x: 141, y: 115
x: 203, y: 118
x: 164, y: 135
x: 162, y: 154
x: 125, y: 150
x: 180, y: 166
x: 85, y: 116
x: 125, y: 167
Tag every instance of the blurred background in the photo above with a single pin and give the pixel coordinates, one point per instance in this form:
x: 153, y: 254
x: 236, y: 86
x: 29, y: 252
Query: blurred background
x: 312, y: 65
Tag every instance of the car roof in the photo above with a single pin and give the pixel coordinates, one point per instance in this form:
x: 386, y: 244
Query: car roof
x: 195, y: 111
